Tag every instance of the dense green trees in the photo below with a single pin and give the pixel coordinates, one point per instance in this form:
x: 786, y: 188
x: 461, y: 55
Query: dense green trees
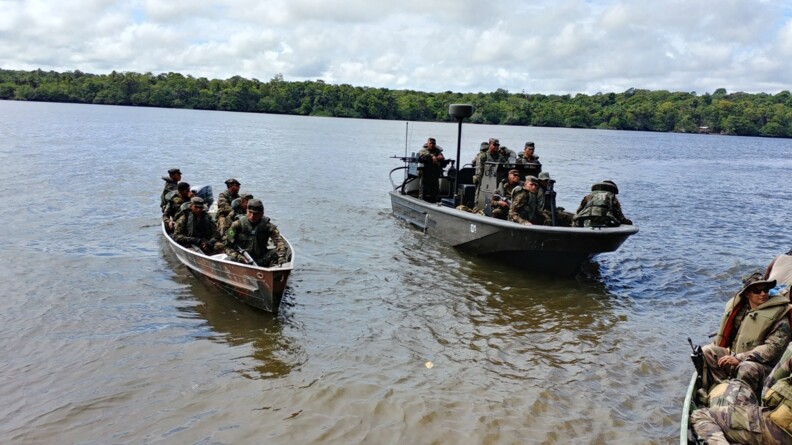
x: 720, y: 112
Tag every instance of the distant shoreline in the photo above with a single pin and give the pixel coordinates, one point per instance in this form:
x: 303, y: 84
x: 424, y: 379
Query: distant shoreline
x: 740, y: 114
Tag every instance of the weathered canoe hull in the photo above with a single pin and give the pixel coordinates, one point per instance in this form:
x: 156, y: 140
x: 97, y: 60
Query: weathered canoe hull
x: 260, y: 287
x: 560, y: 250
x: 686, y: 435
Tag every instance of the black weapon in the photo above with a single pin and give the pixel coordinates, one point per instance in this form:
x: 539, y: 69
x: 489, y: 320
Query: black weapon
x: 698, y: 360
x: 551, y: 195
x: 497, y: 197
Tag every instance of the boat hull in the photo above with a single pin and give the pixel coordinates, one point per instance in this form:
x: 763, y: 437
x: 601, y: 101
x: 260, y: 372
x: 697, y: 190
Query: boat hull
x: 560, y: 250
x: 260, y: 287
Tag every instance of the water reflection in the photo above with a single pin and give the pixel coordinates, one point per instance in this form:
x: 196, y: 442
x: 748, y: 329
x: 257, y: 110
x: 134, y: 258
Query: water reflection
x: 274, y: 353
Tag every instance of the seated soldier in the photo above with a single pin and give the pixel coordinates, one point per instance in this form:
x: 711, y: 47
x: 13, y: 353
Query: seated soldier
x: 525, y: 208
x: 501, y: 199
x: 250, y: 235
x: 734, y: 414
x: 173, y: 208
x: 601, y: 208
x: 195, y: 228
x: 753, y: 333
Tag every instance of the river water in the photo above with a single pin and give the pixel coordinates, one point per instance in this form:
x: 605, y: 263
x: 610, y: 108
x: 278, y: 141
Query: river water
x: 108, y: 339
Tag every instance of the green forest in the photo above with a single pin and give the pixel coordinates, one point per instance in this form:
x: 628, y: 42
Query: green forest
x: 721, y: 112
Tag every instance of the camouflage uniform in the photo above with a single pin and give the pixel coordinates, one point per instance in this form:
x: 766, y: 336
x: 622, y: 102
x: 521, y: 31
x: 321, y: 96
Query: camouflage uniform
x: 194, y: 229
x: 173, y: 207
x: 525, y: 207
x: 757, y: 336
x: 482, y: 159
x: 170, y: 186
x: 600, y: 208
x: 735, y: 416
x: 521, y: 159
x: 504, y: 190
x: 431, y: 172
x: 508, y: 155
x: 244, y: 235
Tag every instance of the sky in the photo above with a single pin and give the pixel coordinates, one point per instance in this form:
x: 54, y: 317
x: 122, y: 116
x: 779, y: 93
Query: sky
x: 522, y: 46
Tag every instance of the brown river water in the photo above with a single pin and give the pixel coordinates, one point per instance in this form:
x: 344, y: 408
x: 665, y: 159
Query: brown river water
x: 385, y: 336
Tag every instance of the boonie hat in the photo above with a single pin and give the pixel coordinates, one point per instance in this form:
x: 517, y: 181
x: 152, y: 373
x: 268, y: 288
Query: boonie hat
x: 255, y: 206
x: 531, y: 178
x: 494, y: 141
x: 543, y: 176
x: 198, y: 201
x: 756, y: 278
x: 174, y: 170
x: 232, y: 181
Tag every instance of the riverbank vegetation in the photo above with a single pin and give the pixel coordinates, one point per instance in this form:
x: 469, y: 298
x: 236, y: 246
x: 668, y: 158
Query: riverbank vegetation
x: 720, y: 112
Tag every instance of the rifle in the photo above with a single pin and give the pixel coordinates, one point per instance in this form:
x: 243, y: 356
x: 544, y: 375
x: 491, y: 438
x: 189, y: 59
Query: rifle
x: 497, y: 197
x: 551, y: 195
x: 246, y: 256
x: 698, y: 361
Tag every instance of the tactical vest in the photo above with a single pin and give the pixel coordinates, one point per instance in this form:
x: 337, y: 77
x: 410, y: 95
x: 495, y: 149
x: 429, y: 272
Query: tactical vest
x: 600, y: 203
x: 779, y: 399
x: 754, y: 327
x: 253, y: 239
x: 201, y: 230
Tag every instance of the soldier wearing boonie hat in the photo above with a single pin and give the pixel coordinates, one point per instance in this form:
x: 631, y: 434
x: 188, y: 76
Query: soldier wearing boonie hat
x: 749, y: 352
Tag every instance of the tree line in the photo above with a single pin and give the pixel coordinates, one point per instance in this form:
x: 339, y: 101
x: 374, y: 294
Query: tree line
x: 741, y: 114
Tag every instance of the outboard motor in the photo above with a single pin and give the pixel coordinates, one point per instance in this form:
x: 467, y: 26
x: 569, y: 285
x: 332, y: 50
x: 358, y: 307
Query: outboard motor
x: 205, y: 192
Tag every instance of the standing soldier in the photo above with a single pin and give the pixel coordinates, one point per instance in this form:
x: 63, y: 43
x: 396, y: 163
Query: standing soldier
x: 431, y: 156
x: 528, y: 156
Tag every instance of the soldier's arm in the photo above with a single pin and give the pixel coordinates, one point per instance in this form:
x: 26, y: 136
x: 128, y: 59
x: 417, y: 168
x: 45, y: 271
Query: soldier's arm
x: 277, y: 239
x: 617, y: 212
x: 179, y: 232
x: 774, y: 345
x: 517, y: 203
x: 582, y: 204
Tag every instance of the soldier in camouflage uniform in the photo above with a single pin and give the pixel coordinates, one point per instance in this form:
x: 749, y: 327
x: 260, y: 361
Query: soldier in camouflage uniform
x: 507, y: 154
x: 251, y: 233
x: 753, y: 333
x: 527, y: 156
x: 601, y: 207
x: 174, y: 176
x: 228, y: 196
x: 501, y: 199
x: 482, y: 148
x: 431, y: 156
x: 175, y: 199
x: 491, y: 155
x: 735, y: 416
x: 195, y: 228
x: 525, y: 208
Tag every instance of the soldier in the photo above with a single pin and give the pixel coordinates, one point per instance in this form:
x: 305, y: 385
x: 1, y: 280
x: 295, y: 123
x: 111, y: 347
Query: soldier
x: 228, y: 196
x: 753, y: 333
x: 525, y: 207
x: 502, y: 196
x: 492, y: 154
x: 735, y: 416
x: 238, y: 209
x: 601, y: 208
x: 527, y: 156
x: 175, y: 199
x: 482, y: 148
x: 508, y: 155
x: 431, y: 156
x: 250, y: 234
x: 174, y: 176
x: 195, y: 228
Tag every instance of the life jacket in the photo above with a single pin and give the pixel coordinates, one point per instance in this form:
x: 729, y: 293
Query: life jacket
x: 253, y: 239
x: 197, y: 229
x: 754, y: 327
x: 599, y: 204
x: 779, y: 399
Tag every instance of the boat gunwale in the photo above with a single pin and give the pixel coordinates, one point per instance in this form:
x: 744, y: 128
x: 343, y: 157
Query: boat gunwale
x: 588, y: 231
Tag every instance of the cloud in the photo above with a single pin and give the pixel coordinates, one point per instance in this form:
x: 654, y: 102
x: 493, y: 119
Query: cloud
x: 565, y: 46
